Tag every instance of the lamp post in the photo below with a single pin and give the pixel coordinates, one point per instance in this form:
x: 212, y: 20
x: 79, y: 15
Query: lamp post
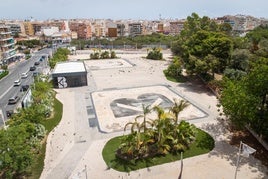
x: 2, y: 117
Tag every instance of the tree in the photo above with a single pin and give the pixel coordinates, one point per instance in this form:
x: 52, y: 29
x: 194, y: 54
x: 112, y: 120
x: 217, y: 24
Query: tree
x: 174, y: 69
x: 240, y: 59
x: 146, y: 110
x: 16, y: 152
x: 178, y: 107
x: 245, y: 101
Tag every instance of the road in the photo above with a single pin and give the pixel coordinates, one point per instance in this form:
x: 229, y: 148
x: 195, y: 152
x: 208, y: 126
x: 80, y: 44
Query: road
x: 7, y: 88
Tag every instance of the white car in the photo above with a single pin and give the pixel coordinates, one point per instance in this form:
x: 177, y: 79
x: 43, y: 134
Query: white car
x: 17, y: 83
x: 24, y: 75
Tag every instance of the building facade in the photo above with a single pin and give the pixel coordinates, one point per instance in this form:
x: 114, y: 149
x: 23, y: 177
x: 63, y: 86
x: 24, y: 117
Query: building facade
x: 135, y: 29
x: 29, y: 28
x: 83, y: 30
x: 7, y: 46
x: 176, y: 27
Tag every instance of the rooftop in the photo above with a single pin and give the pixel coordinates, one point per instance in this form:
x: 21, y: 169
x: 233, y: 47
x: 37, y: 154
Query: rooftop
x: 69, y: 67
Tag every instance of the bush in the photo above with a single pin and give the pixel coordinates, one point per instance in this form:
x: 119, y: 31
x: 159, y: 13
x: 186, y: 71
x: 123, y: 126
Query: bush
x: 2, y: 75
x: 155, y: 54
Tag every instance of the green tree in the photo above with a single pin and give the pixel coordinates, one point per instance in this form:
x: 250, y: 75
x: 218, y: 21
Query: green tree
x: 177, y: 107
x: 16, y: 152
x: 145, y: 110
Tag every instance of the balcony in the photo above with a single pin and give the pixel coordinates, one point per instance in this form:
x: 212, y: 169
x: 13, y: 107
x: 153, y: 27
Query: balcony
x: 8, y: 45
x: 4, y: 33
x: 6, y: 39
x: 10, y: 53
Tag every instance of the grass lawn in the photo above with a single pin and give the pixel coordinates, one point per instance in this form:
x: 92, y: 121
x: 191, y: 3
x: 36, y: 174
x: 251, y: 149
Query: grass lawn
x: 203, y: 144
x: 49, y: 124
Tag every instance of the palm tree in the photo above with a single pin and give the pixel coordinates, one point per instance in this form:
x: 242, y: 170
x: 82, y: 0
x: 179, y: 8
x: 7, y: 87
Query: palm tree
x: 146, y: 110
x: 178, y: 107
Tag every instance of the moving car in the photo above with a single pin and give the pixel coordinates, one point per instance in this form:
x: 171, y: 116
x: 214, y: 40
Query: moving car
x: 36, y: 63
x: 32, y: 68
x: 24, y: 75
x: 13, y: 100
x: 17, y: 83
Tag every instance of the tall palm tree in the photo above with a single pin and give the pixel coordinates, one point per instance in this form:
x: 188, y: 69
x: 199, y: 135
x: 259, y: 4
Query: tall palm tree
x: 177, y: 107
x: 146, y: 110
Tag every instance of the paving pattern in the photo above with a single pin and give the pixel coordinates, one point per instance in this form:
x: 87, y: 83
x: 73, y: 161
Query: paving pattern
x: 115, y: 108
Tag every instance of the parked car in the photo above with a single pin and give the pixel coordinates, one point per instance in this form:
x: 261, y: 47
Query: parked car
x: 17, y: 83
x: 32, y: 68
x: 24, y: 87
x: 36, y: 63
x: 13, y: 100
x: 24, y: 75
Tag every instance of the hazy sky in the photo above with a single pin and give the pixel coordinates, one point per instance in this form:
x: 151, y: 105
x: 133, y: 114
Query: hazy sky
x: 128, y: 9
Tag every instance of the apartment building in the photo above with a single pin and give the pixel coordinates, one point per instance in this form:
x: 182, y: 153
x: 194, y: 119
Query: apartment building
x: 82, y: 29
x: 135, y: 29
x: 7, y: 45
x: 16, y: 28
x: 29, y: 28
x: 176, y: 27
x: 120, y: 30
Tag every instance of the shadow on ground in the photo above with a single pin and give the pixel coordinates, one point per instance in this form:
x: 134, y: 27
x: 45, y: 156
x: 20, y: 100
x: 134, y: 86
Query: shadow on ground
x: 194, y: 84
x: 227, y: 147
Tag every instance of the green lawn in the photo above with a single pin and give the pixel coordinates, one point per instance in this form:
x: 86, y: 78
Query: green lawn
x: 203, y: 144
x: 49, y: 124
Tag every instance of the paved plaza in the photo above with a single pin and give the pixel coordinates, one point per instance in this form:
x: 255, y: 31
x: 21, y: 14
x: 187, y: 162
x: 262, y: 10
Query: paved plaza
x: 116, y: 90
x: 115, y: 108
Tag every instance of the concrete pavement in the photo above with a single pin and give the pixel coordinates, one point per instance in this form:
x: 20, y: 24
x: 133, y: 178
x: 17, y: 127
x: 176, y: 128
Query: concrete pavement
x: 74, y: 147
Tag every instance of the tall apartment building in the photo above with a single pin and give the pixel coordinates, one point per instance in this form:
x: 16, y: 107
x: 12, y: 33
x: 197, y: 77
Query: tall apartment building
x: 83, y: 30
x: 29, y: 29
x: 120, y: 30
x: 16, y: 28
x: 160, y: 28
x: 135, y: 29
x: 7, y: 45
x: 99, y: 30
x: 176, y: 27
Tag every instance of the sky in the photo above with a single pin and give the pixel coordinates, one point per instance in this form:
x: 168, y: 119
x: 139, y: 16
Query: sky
x: 128, y: 9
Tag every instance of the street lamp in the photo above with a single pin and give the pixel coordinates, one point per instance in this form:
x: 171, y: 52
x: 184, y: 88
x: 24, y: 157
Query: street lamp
x: 2, y: 117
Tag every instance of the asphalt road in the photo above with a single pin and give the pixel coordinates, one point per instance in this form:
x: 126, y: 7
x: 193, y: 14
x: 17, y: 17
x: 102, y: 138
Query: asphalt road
x: 7, y: 88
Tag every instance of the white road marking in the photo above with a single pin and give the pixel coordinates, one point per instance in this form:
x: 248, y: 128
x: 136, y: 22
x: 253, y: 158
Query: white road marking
x: 5, y: 92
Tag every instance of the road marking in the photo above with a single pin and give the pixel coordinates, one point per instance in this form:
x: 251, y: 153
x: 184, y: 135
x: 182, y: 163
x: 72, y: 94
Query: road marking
x: 6, y: 92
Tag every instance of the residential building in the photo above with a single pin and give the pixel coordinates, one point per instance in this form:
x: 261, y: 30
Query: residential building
x: 7, y: 45
x: 99, y: 30
x: 120, y: 30
x: 29, y: 29
x: 16, y: 28
x: 176, y: 27
x: 135, y: 29
x: 82, y: 29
